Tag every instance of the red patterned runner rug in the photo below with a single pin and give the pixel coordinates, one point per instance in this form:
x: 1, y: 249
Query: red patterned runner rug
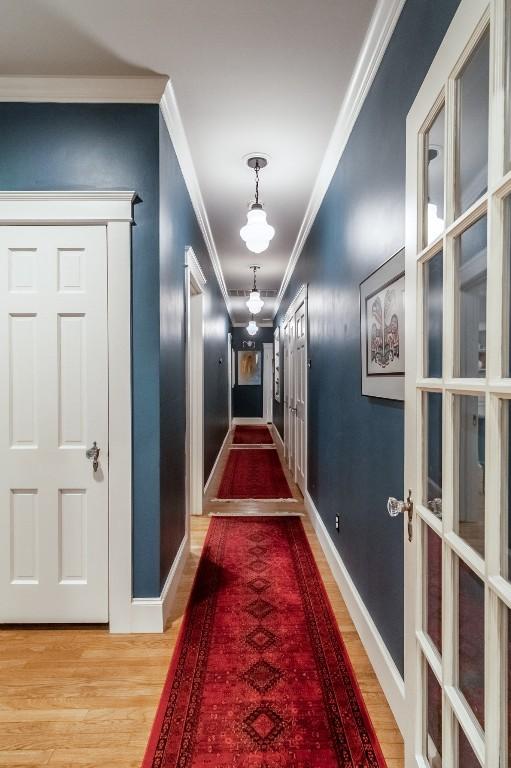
x: 252, y: 436
x: 260, y: 676
x: 254, y: 474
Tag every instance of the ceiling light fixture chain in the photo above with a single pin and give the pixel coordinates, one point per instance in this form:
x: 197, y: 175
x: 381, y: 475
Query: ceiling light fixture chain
x: 255, y: 303
x: 257, y: 181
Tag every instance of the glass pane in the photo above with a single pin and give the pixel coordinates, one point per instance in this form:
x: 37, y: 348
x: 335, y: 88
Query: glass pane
x: 433, y: 315
x: 470, y: 490
x: 507, y: 272
x: 508, y: 105
x: 471, y: 639
x: 506, y: 533
x: 471, y: 291
x: 466, y: 755
x: 433, y: 599
x: 434, y: 192
x: 509, y: 689
x: 433, y: 745
x: 432, y: 418
x: 473, y: 92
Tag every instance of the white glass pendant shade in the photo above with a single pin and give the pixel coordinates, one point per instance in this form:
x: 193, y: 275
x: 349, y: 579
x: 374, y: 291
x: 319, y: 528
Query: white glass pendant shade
x: 255, y: 302
x: 252, y: 328
x: 435, y: 223
x: 257, y: 233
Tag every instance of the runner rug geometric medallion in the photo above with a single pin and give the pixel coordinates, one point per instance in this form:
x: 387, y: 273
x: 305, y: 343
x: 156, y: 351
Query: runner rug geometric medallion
x: 260, y: 677
x: 253, y: 473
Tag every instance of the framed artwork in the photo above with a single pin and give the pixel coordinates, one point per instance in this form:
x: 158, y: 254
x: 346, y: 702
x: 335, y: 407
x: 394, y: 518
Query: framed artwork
x: 382, y: 330
x: 249, y: 368
x: 276, y: 364
x: 233, y: 368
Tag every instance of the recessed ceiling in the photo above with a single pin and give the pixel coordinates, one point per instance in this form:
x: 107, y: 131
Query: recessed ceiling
x: 250, y: 76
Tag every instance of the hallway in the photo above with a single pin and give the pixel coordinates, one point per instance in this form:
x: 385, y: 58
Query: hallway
x: 80, y: 696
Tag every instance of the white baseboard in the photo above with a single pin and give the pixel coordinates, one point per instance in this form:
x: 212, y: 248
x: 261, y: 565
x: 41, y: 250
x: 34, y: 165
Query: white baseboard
x: 379, y: 656
x: 276, y: 434
x: 241, y: 420
x: 210, y: 478
x: 150, y: 614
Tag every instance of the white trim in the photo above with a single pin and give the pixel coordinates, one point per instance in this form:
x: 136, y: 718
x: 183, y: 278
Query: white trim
x: 143, y: 89
x: 114, y: 210
x: 276, y: 434
x: 378, y: 36
x: 212, y: 473
x: 150, y: 614
x: 194, y: 287
x: 241, y: 420
x: 91, y: 207
x: 176, y: 131
x: 384, y: 667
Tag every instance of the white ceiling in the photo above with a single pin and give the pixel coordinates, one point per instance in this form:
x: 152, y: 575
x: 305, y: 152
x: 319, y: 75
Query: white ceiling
x: 249, y: 76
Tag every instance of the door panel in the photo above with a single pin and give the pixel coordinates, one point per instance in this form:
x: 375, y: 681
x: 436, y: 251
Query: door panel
x: 53, y: 406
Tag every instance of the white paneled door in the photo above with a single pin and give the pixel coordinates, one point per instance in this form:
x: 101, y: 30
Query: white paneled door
x: 53, y: 409
x: 458, y: 396
x: 295, y: 388
x: 300, y: 383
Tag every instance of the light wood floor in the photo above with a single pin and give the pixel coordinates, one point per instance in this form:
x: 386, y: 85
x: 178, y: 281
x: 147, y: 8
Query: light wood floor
x: 79, y: 696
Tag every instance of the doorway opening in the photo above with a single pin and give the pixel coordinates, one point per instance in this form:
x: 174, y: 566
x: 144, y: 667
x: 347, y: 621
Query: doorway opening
x: 295, y: 388
x: 195, y: 282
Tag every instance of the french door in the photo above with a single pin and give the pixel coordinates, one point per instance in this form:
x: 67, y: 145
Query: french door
x: 458, y: 398
x: 53, y: 424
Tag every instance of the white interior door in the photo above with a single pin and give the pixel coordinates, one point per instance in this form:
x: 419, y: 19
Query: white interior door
x: 267, y: 382
x: 300, y: 394
x: 458, y: 398
x: 53, y: 407
x: 291, y: 379
x: 285, y: 383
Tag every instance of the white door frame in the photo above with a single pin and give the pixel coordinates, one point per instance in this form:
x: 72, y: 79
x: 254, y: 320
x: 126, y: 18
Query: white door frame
x: 114, y: 211
x: 194, y: 287
x: 230, y: 373
x: 300, y: 298
x: 268, y: 382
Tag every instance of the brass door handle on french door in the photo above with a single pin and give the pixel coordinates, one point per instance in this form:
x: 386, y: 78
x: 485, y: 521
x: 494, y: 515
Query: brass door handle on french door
x: 396, y: 507
x: 93, y: 453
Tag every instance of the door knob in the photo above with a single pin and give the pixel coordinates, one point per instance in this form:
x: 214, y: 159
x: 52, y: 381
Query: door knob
x: 93, y: 453
x: 396, y: 507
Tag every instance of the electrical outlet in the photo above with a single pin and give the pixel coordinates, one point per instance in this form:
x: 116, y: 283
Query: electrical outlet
x: 337, y: 522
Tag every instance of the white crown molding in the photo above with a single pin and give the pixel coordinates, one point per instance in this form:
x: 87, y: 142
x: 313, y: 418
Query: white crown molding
x: 378, y: 36
x: 125, y: 90
x: 175, y: 128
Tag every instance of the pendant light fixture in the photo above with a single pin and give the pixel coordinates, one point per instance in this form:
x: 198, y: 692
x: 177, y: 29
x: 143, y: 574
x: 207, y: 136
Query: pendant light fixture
x: 255, y: 303
x: 257, y: 233
x: 252, y: 326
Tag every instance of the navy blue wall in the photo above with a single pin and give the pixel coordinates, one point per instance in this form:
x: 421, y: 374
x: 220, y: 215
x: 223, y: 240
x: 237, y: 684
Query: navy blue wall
x: 178, y: 229
x: 92, y: 146
x: 247, y: 401
x: 85, y: 146
x: 355, y: 443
